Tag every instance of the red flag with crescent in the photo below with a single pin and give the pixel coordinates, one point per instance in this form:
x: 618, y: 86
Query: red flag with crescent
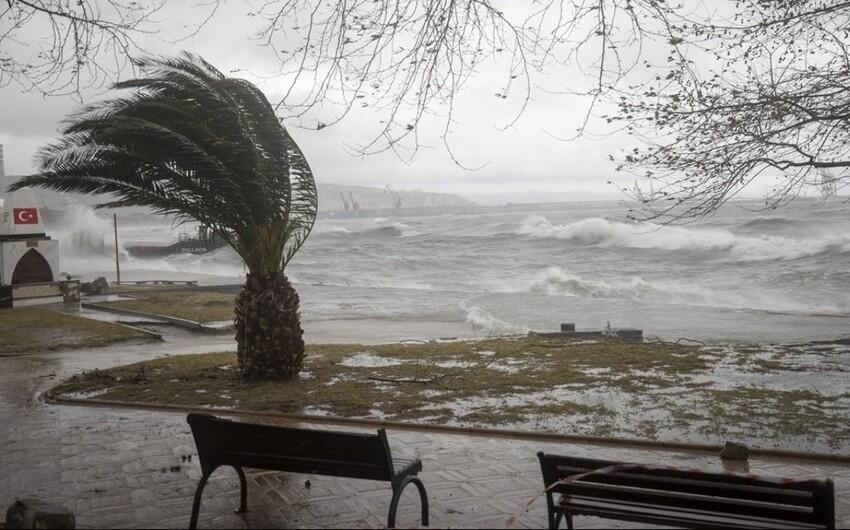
x: 25, y: 216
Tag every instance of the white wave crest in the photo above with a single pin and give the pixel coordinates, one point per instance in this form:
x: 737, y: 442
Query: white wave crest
x: 557, y: 282
x: 554, y: 281
x: 393, y: 230
x: 483, y: 323
x: 220, y: 262
x: 325, y: 228
x: 405, y: 230
x: 603, y: 232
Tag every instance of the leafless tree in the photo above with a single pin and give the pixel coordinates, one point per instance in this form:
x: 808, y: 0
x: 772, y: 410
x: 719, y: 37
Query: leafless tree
x: 774, y: 103
x: 408, y: 60
x: 754, y: 88
x: 758, y: 87
x: 62, y: 47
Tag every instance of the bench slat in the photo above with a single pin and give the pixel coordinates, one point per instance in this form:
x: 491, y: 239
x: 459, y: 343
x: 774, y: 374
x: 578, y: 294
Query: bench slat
x: 589, y: 464
x: 657, y: 515
x: 312, y: 466
x: 684, y: 497
x: 769, y: 493
x: 692, y: 502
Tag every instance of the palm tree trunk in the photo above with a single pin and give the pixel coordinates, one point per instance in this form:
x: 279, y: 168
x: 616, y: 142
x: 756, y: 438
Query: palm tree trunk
x: 268, y: 329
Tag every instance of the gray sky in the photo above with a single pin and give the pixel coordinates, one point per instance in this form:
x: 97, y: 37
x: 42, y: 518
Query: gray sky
x: 524, y: 158
x: 520, y: 159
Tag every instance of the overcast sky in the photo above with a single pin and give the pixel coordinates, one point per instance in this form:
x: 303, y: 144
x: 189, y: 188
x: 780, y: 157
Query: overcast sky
x: 524, y: 158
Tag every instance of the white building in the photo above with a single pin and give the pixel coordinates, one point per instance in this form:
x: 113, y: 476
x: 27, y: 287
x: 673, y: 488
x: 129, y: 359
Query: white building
x: 27, y: 253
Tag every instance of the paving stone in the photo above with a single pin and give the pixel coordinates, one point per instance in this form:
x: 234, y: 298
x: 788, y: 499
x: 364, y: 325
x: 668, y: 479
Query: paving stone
x: 107, y: 465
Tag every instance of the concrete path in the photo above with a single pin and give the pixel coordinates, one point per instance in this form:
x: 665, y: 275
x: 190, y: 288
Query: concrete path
x: 132, y: 469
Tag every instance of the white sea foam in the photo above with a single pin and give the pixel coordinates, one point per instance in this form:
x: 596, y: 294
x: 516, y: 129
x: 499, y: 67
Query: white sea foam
x: 483, y: 323
x: 400, y: 230
x: 223, y: 262
x: 604, y: 232
x: 556, y: 281
x: 330, y: 229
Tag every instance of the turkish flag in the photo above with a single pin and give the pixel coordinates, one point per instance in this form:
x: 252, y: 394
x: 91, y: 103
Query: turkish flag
x: 25, y: 216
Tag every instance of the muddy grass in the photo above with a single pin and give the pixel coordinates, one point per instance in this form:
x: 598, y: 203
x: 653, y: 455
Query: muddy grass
x: 26, y: 329
x: 190, y: 304
x: 654, y: 391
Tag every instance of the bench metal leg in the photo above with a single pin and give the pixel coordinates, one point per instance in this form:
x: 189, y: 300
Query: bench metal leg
x: 397, y: 490
x: 243, y: 496
x: 196, y: 505
x: 555, y: 520
x: 243, y: 491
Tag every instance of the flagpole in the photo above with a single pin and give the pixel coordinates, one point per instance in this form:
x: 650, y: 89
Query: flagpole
x: 117, y: 264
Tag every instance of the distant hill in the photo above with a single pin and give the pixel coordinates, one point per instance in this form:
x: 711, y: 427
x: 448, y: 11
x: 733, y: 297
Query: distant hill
x: 331, y: 198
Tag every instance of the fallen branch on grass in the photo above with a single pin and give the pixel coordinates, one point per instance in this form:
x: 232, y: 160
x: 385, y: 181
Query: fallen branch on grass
x: 413, y: 379
x: 399, y: 381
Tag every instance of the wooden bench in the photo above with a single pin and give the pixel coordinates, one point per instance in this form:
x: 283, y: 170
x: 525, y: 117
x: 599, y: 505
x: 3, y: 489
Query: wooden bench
x: 682, y: 497
x: 222, y: 442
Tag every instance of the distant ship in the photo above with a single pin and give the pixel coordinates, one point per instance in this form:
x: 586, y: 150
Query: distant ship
x: 206, y: 240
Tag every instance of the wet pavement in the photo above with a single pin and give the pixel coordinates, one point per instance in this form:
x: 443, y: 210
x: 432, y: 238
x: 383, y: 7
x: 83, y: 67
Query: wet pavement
x: 130, y: 469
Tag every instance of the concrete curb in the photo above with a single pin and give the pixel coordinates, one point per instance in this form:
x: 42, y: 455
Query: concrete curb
x: 180, y: 322
x: 152, y: 334
x: 447, y: 429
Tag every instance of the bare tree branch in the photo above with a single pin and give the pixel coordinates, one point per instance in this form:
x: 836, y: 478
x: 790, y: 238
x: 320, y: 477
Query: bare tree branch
x: 774, y: 107
x: 59, y: 47
x: 408, y: 60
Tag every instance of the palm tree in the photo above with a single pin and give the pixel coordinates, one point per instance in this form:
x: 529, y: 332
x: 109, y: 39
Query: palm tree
x: 190, y: 142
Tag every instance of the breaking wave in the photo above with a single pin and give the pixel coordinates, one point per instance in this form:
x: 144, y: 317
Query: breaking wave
x: 326, y: 229
x: 392, y: 230
x: 770, y: 223
x: 555, y: 281
x: 484, y: 323
x: 603, y: 232
x: 220, y: 262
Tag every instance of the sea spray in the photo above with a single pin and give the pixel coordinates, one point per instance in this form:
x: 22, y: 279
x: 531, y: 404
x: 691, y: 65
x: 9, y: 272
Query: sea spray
x: 84, y: 234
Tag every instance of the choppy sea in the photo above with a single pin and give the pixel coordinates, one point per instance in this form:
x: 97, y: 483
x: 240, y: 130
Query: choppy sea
x: 742, y: 275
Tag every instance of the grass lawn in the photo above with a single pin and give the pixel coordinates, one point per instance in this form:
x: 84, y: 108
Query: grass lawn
x: 646, y: 390
x: 30, y: 329
x: 190, y: 304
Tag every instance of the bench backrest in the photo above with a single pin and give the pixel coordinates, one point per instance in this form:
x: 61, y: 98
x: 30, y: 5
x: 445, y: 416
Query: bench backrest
x: 224, y: 442
x: 693, y: 491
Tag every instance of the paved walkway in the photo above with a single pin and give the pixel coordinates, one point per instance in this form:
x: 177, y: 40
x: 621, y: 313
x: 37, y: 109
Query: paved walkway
x: 132, y: 469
